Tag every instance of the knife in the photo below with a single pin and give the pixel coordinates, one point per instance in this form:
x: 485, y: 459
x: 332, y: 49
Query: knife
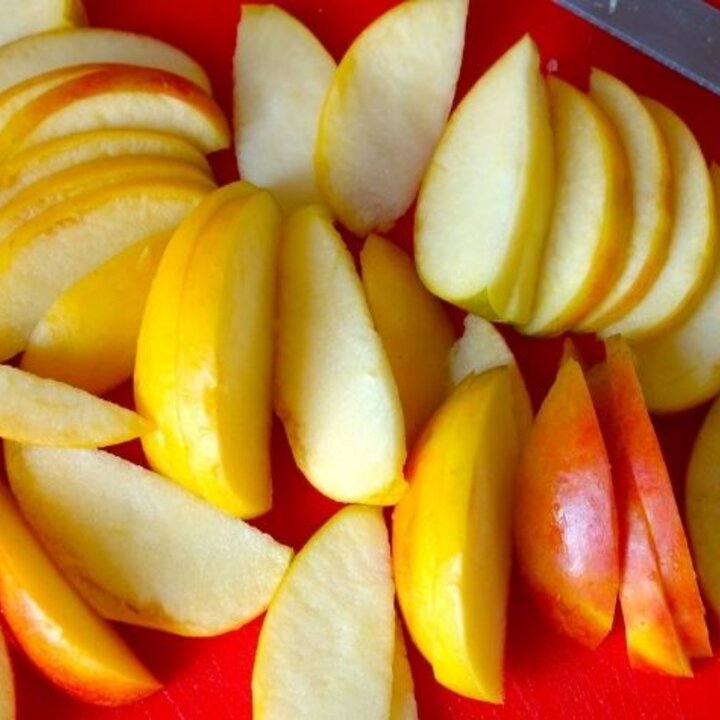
x: 682, y: 34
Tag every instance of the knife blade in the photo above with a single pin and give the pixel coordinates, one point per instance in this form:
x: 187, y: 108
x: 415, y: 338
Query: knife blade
x: 682, y: 34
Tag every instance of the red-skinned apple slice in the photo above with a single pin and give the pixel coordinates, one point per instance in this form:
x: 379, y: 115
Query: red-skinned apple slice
x: 7, y: 683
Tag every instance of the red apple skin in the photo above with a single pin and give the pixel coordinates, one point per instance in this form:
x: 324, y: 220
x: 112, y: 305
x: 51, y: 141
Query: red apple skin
x: 639, y: 467
x: 566, y: 534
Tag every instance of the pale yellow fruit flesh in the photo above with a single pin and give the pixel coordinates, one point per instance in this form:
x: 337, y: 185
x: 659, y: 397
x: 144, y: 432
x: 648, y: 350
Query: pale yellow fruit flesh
x: 332, y: 621
x: 139, y: 548
x: 485, y: 200
x: 275, y: 124
x: 403, y: 705
x: 335, y: 390
x: 28, y: 17
x: 7, y: 684
x: 386, y: 108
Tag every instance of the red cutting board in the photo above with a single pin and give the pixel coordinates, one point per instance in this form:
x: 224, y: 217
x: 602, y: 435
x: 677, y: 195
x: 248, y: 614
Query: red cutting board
x: 547, y: 677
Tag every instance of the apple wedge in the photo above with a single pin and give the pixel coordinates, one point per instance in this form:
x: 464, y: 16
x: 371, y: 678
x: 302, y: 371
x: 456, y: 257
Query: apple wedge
x: 67, y: 641
x: 37, y: 54
x: 203, y: 372
x: 651, y: 181
x: 119, y: 97
x: 591, y: 219
x: 28, y: 17
x: 333, y: 621
x: 414, y: 327
x: 42, y: 258
x: 452, y: 536
x: 88, y: 337
x: 275, y: 125
x: 172, y: 562
x: 335, y: 391
x: 485, y: 200
x: 402, y: 705
x: 375, y: 119
x: 692, y: 249
x: 7, y: 684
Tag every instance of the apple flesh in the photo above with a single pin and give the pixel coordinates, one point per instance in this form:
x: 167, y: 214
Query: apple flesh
x: 402, y: 705
x: 7, y: 683
x: 28, y: 17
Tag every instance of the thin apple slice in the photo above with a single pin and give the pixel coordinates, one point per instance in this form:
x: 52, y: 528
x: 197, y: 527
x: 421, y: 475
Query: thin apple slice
x: 37, y: 54
x: 375, y: 119
x: 692, y: 250
x: 66, y: 640
x: 335, y: 391
x: 485, y: 201
x: 651, y: 182
x: 402, y: 704
x: 275, y: 125
x: 452, y: 536
x: 7, y: 683
x: 333, y: 618
x: 592, y: 215
x: 42, y: 258
x: 415, y: 329
x: 22, y: 18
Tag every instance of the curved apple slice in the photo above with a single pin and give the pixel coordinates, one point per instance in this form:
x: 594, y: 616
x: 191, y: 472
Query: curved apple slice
x: 37, y: 54
x: 651, y: 182
x: 28, y: 17
x: 275, y: 125
x: 374, y: 119
x: 7, y: 683
x: 333, y: 617
x: 66, y: 640
x: 403, y: 705
x: 692, y: 252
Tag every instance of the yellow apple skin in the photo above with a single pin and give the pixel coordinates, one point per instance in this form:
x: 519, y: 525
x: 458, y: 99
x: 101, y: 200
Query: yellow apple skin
x: 7, y: 683
x: 67, y: 642
x: 452, y: 536
x: 414, y: 327
x: 28, y: 17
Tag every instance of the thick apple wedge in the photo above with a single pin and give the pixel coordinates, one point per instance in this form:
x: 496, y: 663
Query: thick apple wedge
x: 42, y: 258
x: 275, y: 125
x: 591, y: 219
x: 402, y: 705
x: 22, y: 18
x: 374, y: 119
x: 452, y: 536
x: 692, y: 249
x: 62, y: 636
x: 415, y: 329
x: 335, y: 391
x: 88, y: 337
x: 119, y: 97
x: 172, y: 562
x: 649, y: 166
x: 37, y: 54
x: 566, y: 534
x: 485, y: 200
x: 332, y: 621
x: 7, y: 684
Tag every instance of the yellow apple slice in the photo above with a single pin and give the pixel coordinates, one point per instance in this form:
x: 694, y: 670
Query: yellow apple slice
x: 89, y: 335
x: 66, y: 640
x: 42, y: 258
x: 22, y: 18
x: 485, y: 200
x: 402, y: 705
x: 332, y: 621
x: 140, y: 549
x: 37, y: 54
x: 692, y: 249
x: 203, y: 372
x: 591, y: 219
x: 335, y: 391
x: 415, y: 329
x: 386, y: 108
x: 7, y: 683
x: 452, y: 536
x: 275, y: 125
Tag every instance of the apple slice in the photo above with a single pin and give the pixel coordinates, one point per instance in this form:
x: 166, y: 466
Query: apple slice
x: 204, y: 360
x: 275, y: 125
x: 66, y: 640
x: 7, y: 684
x: 89, y: 335
x: 332, y: 621
x: 452, y: 536
x: 651, y: 181
x: 485, y: 200
x: 335, y: 391
x: 28, y: 17
x: 692, y: 251
x: 119, y: 97
x: 374, y: 119
x: 592, y: 216
x: 171, y: 561
x: 42, y: 258
x: 37, y: 54
x: 402, y: 704
x: 415, y: 329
